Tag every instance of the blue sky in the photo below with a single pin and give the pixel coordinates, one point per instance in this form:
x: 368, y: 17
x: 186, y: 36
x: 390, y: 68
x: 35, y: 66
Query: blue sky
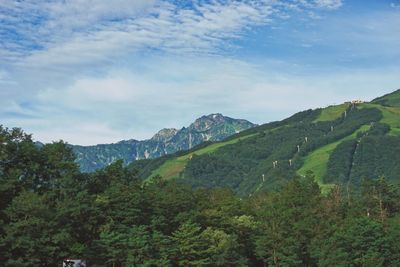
x: 91, y: 72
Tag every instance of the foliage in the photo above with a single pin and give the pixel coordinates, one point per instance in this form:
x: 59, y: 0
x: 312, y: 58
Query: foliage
x: 220, y: 213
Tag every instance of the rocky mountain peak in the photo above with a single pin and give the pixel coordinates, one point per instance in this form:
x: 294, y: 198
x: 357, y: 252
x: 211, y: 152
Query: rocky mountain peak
x: 164, y: 135
x: 213, y: 127
x: 204, y: 123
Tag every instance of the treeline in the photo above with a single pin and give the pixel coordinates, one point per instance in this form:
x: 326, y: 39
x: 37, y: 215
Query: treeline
x: 50, y: 211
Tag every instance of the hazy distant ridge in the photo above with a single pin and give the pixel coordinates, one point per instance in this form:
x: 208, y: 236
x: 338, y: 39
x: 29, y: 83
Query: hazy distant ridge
x: 214, y: 127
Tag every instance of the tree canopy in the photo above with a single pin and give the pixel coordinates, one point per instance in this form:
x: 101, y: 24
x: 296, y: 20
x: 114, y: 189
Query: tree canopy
x: 50, y: 211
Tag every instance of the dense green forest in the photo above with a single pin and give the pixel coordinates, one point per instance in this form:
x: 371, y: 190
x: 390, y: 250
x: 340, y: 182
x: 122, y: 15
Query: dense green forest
x: 49, y: 211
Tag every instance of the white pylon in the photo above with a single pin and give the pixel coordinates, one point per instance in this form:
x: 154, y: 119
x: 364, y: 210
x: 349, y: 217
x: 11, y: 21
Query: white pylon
x: 306, y: 138
x: 275, y: 164
x: 290, y: 162
x: 263, y: 177
x: 331, y: 128
x: 298, y: 148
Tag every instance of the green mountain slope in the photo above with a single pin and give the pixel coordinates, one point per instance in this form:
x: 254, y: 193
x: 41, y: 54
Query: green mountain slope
x: 339, y: 144
x: 390, y: 100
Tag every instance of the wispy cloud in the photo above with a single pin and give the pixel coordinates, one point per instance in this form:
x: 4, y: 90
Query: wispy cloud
x: 395, y: 5
x: 82, y: 32
x: 331, y: 4
x: 52, y: 43
x: 91, y: 71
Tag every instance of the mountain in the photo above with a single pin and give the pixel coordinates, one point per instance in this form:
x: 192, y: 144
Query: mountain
x: 214, y: 127
x: 339, y: 144
x: 390, y: 100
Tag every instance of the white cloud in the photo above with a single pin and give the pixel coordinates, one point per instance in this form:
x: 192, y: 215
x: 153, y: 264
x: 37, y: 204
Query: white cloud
x: 330, y: 4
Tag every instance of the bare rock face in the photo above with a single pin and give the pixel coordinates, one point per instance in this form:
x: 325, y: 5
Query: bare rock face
x: 164, y: 135
x: 213, y: 127
x: 207, y: 122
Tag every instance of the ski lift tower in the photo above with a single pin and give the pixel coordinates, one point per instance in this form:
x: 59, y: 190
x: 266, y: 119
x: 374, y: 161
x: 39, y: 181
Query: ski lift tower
x: 74, y: 263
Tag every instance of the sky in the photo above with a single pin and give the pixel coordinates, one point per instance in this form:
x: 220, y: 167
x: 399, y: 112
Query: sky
x: 100, y: 71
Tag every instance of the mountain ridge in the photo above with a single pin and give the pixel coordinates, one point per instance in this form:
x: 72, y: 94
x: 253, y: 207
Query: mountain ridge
x: 391, y: 99
x: 213, y: 127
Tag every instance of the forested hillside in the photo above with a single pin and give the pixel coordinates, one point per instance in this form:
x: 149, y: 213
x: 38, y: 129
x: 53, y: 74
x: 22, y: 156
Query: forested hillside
x: 340, y: 144
x: 50, y: 211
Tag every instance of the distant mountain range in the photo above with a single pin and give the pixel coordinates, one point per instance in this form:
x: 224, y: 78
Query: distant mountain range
x: 340, y: 145
x: 214, y: 127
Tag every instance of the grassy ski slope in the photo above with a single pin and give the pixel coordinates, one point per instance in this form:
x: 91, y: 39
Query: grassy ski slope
x: 332, y: 113
x: 317, y: 161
